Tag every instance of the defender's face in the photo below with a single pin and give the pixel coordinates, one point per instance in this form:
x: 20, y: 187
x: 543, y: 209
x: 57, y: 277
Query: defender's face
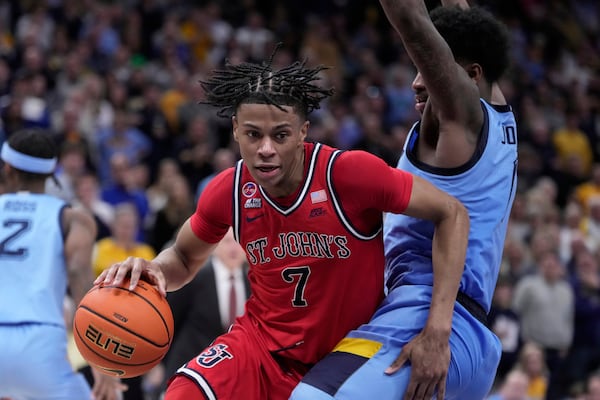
x: 421, y: 96
x: 272, y: 145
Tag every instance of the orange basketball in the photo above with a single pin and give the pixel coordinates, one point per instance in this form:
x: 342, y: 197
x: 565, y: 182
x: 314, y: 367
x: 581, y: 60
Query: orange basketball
x: 121, y: 332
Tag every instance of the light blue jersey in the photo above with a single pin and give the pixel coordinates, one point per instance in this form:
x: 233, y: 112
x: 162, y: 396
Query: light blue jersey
x: 34, y: 275
x: 33, y: 286
x: 486, y: 185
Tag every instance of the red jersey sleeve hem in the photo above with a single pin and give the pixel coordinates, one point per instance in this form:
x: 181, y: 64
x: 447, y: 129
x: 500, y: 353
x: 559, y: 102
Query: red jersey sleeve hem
x: 213, y: 215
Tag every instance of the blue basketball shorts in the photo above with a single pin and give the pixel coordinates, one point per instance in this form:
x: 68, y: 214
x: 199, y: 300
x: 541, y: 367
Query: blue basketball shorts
x: 34, y: 364
x: 355, y: 368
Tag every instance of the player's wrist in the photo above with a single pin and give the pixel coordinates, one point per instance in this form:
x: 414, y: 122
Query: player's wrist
x: 438, y: 329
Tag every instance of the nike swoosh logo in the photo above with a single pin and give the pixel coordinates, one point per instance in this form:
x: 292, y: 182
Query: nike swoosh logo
x: 111, y: 371
x: 250, y: 219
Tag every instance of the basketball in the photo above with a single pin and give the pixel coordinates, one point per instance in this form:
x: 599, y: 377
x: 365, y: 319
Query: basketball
x: 121, y: 332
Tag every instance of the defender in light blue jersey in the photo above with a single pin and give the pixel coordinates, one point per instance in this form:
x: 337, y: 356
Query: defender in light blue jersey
x: 429, y: 338
x: 45, y: 249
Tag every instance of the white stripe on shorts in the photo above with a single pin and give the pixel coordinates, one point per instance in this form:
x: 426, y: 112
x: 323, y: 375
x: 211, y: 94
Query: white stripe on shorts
x: 190, y: 373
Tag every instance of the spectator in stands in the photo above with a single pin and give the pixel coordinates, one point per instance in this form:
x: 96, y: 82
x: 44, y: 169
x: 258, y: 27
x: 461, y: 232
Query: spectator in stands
x: 590, y: 188
x: 506, y: 325
x: 121, y: 138
x: 71, y: 165
x: 124, y: 189
x: 178, y: 207
x: 87, y: 195
x: 514, y: 387
x: 545, y: 304
x: 584, y: 353
x: 532, y: 362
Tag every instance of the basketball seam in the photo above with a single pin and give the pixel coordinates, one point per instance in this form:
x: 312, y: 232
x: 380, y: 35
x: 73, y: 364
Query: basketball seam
x: 152, y: 342
x: 158, y: 312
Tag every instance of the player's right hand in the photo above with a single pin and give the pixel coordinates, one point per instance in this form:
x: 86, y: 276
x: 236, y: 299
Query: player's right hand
x: 134, y: 268
x: 106, y: 387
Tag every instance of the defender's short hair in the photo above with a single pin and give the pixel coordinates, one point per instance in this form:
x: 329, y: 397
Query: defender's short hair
x: 474, y: 35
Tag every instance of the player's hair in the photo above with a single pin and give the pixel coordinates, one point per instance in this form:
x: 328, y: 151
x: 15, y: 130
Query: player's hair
x: 36, y: 143
x: 474, y: 35
x: 251, y: 83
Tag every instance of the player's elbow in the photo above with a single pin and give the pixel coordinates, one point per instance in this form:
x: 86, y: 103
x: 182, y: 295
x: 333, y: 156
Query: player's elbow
x: 458, y: 213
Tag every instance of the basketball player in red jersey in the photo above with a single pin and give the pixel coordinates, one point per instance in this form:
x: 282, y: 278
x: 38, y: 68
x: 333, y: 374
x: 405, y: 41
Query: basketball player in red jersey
x: 309, y: 218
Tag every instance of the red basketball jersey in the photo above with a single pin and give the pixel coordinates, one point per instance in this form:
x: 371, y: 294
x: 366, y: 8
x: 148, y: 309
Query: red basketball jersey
x: 314, y: 274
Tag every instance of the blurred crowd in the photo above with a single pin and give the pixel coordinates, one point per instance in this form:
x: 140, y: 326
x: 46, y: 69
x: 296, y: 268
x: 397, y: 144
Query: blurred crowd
x: 116, y: 84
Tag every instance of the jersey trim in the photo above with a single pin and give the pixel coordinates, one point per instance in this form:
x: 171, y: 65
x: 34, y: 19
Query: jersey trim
x: 332, y: 372
x: 359, y: 346
x: 302, y: 194
x: 481, y: 145
x: 236, y: 200
x: 501, y: 108
x: 203, y: 385
x: 63, y: 229
x: 513, y: 186
x: 338, y: 209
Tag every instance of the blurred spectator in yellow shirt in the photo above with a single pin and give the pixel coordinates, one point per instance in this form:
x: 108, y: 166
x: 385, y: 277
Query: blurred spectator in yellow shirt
x: 585, y: 191
x: 571, y: 142
x: 122, y: 241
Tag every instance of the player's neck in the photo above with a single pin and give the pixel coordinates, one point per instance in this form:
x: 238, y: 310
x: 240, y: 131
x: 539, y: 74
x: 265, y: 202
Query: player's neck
x: 30, y: 187
x: 297, y: 176
x: 485, y: 91
x: 290, y: 185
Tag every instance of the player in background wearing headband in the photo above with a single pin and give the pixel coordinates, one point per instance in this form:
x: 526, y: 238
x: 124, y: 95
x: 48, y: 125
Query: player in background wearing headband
x: 429, y: 337
x: 45, y: 250
x: 309, y: 218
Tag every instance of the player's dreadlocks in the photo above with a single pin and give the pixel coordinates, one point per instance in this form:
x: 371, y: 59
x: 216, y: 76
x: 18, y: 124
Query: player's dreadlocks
x: 250, y: 83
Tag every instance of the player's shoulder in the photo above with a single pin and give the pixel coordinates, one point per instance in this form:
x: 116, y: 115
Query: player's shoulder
x: 77, y: 216
x: 223, y: 177
x: 220, y: 185
x: 359, y: 159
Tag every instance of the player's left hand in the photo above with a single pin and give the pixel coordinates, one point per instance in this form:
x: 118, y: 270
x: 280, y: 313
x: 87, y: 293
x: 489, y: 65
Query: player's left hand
x: 429, y: 357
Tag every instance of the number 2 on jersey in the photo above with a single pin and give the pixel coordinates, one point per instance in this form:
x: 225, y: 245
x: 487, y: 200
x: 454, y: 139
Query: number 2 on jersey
x: 16, y: 227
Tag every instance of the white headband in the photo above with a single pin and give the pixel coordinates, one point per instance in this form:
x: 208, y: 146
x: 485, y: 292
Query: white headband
x: 25, y: 162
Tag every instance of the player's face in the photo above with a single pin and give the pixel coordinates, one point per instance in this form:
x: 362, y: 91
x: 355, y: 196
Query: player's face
x: 272, y: 145
x: 421, y: 95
